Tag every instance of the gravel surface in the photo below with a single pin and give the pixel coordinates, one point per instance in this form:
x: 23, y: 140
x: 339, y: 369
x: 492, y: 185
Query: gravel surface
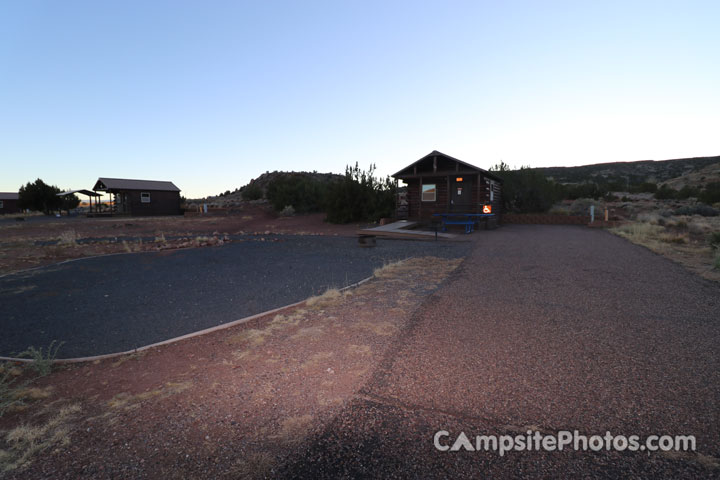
x: 543, y: 328
x: 116, y: 303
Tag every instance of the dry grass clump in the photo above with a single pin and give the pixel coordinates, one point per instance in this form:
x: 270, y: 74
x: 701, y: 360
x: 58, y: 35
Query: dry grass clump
x: 252, y: 336
x: 401, y: 268
x: 639, y: 230
x: 330, y: 297
x: 68, y: 238
x: 674, y: 238
x: 22, y: 443
x: 687, y: 239
x: 389, y: 269
x: 129, y: 401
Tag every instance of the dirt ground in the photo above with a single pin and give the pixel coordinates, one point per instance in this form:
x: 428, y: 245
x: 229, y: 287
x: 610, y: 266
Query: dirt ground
x: 229, y: 404
x: 45, y: 240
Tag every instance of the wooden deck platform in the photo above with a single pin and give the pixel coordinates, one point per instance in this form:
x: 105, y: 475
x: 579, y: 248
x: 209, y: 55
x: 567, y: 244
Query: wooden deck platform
x: 402, y: 228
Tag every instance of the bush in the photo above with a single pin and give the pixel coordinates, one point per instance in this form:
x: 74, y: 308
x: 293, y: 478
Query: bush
x: 360, y: 196
x: 581, y: 206
x: 288, y: 211
x: 252, y: 191
x: 711, y: 193
x: 666, y: 193
x: 8, y: 391
x: 645, y: 187
x: 303, y: 193
x: 42, y: 363
x: 687, y: 192
x: 583, y: 190
x: 714, y: 240
x: 698, y: 209
x: 527, y: 190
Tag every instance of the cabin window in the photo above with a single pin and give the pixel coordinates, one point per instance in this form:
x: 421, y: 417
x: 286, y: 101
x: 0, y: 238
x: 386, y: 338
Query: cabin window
x: 429, y: 192
x: 144, y: 197
x: 1, y: 204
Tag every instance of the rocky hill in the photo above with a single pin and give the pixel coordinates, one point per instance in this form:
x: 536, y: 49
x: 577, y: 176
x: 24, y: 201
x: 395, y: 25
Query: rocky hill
x: 640, y: 171
x: 259, y: 185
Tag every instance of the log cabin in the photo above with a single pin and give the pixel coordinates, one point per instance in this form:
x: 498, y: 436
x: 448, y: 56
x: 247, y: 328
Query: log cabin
x: 439, y: 183
x: 141, y: 197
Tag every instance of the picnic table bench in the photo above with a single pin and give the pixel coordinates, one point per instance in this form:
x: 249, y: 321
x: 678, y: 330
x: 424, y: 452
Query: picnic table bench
x: 467, y: 219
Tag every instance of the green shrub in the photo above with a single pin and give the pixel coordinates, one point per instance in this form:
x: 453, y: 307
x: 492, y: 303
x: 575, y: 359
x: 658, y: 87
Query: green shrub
x: 714, y: 240
x: 583, y: 190
x: 8, y: 397
x: 687, y: 192
x: 252, y: 191
x: 302, y: 192
x: 581, y: 206
x: 360, y: 196
x: 697, y: 209
x: 710, y: 194
x: 666, y: 193
x: 42, y: 363
x: 527, y: 190
x: 645, y: 187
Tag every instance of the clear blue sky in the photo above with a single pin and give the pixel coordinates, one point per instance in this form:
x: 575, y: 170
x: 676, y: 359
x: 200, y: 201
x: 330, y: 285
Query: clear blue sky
x: 210, y: 94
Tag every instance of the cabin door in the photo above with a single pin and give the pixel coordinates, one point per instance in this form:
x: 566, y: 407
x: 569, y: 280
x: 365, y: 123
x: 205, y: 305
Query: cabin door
x: 460, y: 194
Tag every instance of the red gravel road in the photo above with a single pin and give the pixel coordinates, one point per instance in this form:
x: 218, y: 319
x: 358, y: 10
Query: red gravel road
x: 542, y: 328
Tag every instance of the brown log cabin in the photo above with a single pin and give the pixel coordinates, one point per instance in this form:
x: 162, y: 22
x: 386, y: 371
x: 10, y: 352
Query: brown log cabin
x: 439, y: 183
x: 9, y: 202
x: 141, y: 197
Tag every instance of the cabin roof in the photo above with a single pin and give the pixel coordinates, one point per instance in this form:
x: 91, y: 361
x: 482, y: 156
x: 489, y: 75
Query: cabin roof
x: 107, y: 184
x: 9, y: 196
x: 407, y: 172
x: 89, y: 193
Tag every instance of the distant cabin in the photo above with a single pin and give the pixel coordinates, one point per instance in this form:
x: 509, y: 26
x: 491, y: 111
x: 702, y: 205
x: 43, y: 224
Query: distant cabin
x: 439, y: 183
x: 141, y: 197
x: 9, y: 202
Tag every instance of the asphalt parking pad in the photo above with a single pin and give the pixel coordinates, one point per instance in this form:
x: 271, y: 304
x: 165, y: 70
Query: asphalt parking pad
x: 120, y: 302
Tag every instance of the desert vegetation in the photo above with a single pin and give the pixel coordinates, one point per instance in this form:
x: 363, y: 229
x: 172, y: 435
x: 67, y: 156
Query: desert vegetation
x: 359, y: 195
x: 15, y: 380
x: 535, y: 190
x: 692, y: 240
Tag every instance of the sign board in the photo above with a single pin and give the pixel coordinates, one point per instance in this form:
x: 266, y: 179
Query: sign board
x: 487, y: 208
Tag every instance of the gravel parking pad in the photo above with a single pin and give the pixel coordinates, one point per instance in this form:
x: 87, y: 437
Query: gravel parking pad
x: 120, y: 302
x: 549, y: 329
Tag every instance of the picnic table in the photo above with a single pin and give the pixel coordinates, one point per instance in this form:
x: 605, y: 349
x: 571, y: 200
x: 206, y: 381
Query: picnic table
x: 467, y: 219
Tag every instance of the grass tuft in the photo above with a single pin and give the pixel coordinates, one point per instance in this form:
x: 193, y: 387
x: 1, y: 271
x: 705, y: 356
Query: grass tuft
x: 714, y: 240
x: 330, y: 296
x: 8, y: 392
x: 25, y: 441
x: 42, y: 363
x: 68, y: 237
